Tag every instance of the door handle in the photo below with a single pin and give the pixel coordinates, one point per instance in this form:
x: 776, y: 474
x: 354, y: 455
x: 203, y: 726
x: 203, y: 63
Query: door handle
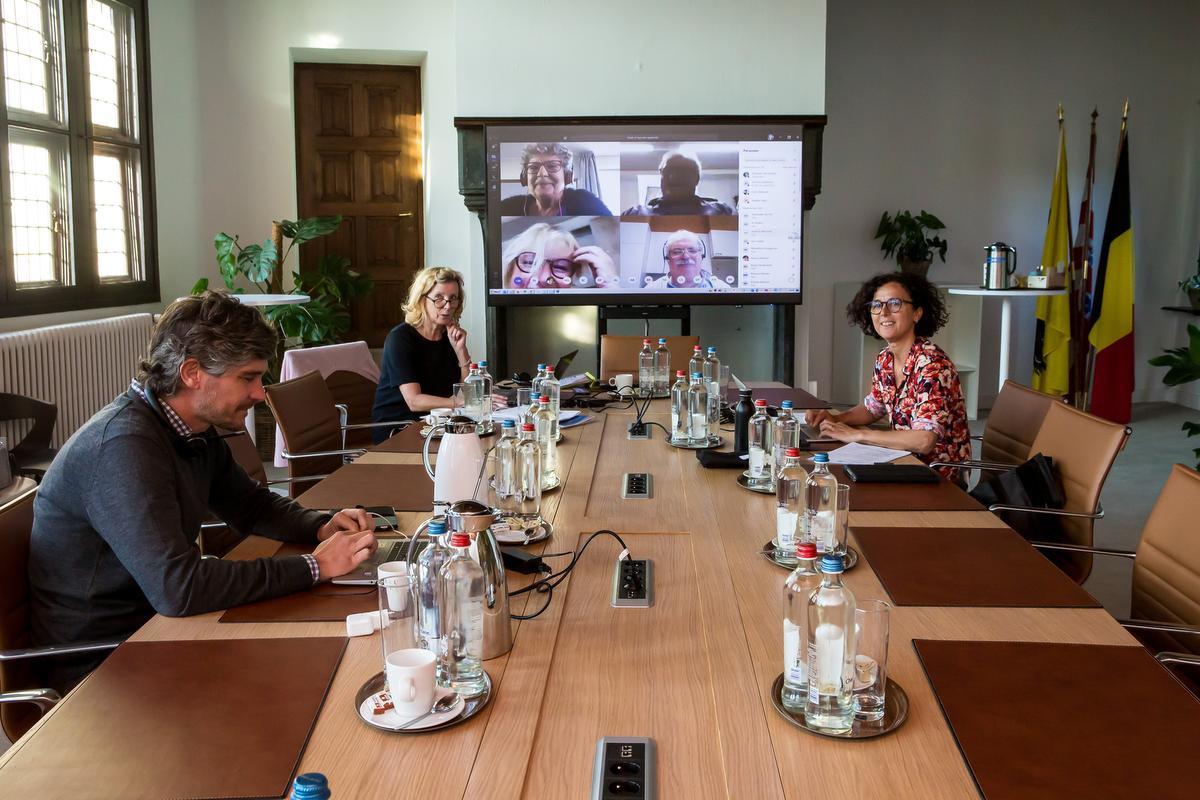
x: 405, y: 214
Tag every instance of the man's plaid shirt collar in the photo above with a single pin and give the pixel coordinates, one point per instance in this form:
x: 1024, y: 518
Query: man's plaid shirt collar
x: 177, y: 424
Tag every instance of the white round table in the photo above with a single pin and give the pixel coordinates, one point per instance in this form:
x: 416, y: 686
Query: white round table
x: 1006, y: 296
x: 271, y: 299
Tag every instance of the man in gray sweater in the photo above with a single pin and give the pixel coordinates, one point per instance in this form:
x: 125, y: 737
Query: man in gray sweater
x: 117, y: 516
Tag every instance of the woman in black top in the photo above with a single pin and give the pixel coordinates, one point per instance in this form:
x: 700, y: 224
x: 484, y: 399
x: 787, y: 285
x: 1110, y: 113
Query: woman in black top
x: 424, y: 356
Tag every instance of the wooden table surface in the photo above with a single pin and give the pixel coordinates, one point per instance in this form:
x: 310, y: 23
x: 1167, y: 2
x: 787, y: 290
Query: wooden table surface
x: 693, y: 672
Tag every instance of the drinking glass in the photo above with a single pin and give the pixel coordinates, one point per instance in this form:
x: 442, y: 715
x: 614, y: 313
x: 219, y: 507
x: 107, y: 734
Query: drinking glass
x: 841, y: 523
x: 870, y: 661
x: 723, y: 379
x: 469, y: 398
x: 398, y: 613
x: 524, y: 398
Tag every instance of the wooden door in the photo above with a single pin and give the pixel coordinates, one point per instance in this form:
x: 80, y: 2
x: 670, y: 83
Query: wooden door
x: 358, y: 154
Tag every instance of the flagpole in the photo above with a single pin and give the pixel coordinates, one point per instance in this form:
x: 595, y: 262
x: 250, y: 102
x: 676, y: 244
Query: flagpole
x: 1083, y: 396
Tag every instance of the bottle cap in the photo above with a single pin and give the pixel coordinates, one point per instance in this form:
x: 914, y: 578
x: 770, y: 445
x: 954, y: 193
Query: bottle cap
x: 760, y: 403
x: 806, y: 550
x: 712, y: 349
x: 310, y: 786
x: 527, y: 426
x: 474, y: 365
x: 437, y: 526
x: 462, y: 539
x: 541, y: 367
x: 482, y: 363
x: 832, y: 564
x: 696, y: 348
x: 662, y: 340
x: 645, y: 341
x: 680, y: 373
x: 549, y: 370
x: 697, y: 375
x: 792, y: 452
x: 508, y: 423
x: 820, y: 458
x: 533, y: 398
x: 786, y: 404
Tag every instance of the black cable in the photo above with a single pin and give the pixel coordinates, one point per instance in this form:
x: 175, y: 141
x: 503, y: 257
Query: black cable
x: 659, y: 424
x: 547, y: 584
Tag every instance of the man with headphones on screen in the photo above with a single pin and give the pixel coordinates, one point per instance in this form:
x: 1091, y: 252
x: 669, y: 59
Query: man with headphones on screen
x: 546, y: 169
x: 678, y: 176
x: 684, y: 253
x: 117, y: 516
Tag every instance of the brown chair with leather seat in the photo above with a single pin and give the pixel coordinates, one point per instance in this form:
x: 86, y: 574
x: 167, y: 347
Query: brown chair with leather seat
x: 354, y: 395
x: 22, y: 698
x: 1164, y: 605
x: 33, y: 453
x: 217, y: 538
x: 620, y: 354
x: 311, y: 428
x: 1013, y: 423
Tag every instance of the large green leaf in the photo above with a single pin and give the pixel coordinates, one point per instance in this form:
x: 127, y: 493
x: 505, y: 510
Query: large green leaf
x: 305, y: 230
x: 226, y: 260
x: 1194, y: 343
x: 257, y: 261
x: 199, y: 286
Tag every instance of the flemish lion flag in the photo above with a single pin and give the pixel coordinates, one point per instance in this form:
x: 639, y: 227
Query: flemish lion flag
x: 1112, y: 304
x: 1052, y: 347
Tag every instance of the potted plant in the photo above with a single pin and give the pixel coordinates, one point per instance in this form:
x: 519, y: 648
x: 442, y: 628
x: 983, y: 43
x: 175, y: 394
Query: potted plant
x: 1183, y: 366
x: 904, y: 238
x: 1192, y: 287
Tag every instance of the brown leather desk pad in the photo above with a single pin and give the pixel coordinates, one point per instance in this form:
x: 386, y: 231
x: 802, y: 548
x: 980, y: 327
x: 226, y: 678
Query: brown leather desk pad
x: 408, y: 440
x: 324, y: 602
x: 966, y: 567
x: 799, y: 397
x: 1039, y: 720
x: 404, y: 487
x: 940, y: 496
x: 212, y: 718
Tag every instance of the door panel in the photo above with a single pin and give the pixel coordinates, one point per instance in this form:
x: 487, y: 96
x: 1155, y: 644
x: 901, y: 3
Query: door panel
x: 358, y: 152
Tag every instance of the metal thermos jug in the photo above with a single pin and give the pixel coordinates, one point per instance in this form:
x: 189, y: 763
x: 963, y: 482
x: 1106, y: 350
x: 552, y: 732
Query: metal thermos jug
x: 999, y: 265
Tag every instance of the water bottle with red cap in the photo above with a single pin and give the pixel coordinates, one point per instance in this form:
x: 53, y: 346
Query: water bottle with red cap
x: 790, y: 481
x: 797, y: 590
x: 462, y: 607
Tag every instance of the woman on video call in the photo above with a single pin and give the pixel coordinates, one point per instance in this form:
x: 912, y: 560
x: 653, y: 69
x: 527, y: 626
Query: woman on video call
x: 915, y: 384
x: 424, y: 356
x: 543, y: 257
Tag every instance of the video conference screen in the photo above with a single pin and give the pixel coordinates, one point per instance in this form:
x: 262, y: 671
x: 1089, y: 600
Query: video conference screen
x: 653, y: 214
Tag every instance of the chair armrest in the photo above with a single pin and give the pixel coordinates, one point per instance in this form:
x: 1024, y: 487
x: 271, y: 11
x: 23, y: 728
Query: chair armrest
x: 1177, y: 658
x: 1160, y: 627
x: 992, y: 466
x: 1079, y: 548
x: 42, y: 698
x: 359, y: 425
x: 59, y: 650
x: 1056, y: 512
x: 300, y: 479
x: 356, y: 451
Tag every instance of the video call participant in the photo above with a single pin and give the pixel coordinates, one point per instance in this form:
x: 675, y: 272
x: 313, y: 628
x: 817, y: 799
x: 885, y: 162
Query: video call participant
x: 914, y: 385
x: 546, y: 169
x: 424, y: 356
x: 679, y: 175
x: 684, y: 253
x: 118, y: 514
x: 543, y: 257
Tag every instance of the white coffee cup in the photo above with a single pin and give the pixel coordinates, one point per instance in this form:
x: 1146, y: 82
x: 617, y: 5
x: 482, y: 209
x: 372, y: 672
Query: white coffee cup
x: 398, y: 597
x: 438, y: 416
x: 622, y: 382
x: 410, y: 680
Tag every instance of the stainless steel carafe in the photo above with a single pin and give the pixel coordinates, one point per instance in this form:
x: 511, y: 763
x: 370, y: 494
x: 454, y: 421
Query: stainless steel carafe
x: 475, y: 518
x: 999, y: 265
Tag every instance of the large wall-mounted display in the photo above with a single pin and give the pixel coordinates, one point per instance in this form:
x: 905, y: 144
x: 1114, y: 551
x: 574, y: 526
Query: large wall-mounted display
x: 645, y: 213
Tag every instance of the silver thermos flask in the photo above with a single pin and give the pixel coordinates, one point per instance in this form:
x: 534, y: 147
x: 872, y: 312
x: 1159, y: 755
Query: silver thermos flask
x: 999, y: 265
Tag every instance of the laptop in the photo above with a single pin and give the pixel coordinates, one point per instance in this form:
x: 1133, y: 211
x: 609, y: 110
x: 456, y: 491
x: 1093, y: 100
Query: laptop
x: 811, y: 434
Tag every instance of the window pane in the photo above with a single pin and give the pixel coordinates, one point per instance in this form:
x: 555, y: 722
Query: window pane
x: 39, y: 225
x: 115, y: 182
x: 110, y: 66
x: 26, y: 56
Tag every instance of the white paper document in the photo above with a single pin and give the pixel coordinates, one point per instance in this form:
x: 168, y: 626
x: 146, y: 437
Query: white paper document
x: 857, y: 453
x: 516, y: 412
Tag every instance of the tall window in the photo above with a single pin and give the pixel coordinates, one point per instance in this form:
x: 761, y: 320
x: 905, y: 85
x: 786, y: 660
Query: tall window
x: 77, y: 203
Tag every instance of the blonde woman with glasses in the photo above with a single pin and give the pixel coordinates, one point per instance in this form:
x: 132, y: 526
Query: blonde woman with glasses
x: 424, y: 356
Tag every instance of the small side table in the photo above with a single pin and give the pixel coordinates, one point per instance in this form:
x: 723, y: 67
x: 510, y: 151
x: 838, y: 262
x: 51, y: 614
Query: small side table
x: 1006, y: 296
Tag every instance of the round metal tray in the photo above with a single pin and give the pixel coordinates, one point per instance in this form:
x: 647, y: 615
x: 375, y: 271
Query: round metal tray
x: 480, y: 429
x: 713, y: 441
x: 744, y: 482
x: 538, y: 533
x: 895, y: 713
x: 849, y: 560
x: 552, y: 487
x: 378, y: 682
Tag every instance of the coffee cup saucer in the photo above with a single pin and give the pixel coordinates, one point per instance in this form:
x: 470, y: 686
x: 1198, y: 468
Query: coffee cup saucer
x: 391, y: 719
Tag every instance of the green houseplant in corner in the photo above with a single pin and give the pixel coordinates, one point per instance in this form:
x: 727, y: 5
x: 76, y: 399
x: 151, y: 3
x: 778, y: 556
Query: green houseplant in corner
x: 906, y: 239
x: 1183, y: 366
x: 1192, y: 287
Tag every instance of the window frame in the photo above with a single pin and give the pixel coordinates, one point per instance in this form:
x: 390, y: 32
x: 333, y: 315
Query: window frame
x: 88, y: 291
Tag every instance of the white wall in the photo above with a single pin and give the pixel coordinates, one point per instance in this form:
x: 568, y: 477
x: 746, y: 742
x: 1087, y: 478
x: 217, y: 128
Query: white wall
x: 951, y: 108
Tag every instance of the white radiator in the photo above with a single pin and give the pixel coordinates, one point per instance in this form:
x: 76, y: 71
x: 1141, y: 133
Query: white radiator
x: 79, y: 367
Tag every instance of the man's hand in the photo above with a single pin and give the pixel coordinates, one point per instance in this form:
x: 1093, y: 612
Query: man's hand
x: 342, y: 552
x: 348, y: 519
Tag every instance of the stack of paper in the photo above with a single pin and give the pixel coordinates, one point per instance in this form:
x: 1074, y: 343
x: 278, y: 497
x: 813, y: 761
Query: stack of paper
x: 856, y: 453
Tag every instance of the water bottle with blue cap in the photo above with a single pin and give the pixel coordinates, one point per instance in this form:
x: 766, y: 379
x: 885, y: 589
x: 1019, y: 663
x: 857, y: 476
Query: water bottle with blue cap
x: 697, y: 411
x: 786, y: 433
x: 506, y: 468
x: 831, y: 645
x: 310, y: 786
x: 820, y: 496
x: 429, y: 586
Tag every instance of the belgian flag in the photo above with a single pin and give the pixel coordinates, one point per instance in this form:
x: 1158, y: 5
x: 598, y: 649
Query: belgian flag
x: 1112, y: 303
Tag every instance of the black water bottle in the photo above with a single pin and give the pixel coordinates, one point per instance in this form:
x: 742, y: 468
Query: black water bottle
x: 741, y: 422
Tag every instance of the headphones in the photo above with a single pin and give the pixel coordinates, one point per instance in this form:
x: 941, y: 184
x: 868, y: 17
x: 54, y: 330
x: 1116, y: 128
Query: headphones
x: 703, y: 249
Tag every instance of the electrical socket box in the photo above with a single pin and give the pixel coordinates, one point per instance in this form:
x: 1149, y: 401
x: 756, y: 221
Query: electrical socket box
x: 633, y: 583
x: 638, y: 431
x: 624, y: 769
x: 636, y: 486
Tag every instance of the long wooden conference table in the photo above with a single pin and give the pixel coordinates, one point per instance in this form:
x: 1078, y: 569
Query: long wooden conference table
x: 693, y: 672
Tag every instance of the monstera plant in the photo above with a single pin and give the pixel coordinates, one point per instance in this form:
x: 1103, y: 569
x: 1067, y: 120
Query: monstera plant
x: 1183, y: 366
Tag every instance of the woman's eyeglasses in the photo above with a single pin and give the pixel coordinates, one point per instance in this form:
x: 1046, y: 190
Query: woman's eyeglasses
x: 894, y: 304
x: 561, y: 268
x: 551, y: 167
x: 442, y: 302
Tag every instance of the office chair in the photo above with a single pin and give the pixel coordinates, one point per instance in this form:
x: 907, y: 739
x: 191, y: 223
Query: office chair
x: 620, y: 354
x: 1013, y: 423
x: 22, y: 701
x: 33, y: 453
